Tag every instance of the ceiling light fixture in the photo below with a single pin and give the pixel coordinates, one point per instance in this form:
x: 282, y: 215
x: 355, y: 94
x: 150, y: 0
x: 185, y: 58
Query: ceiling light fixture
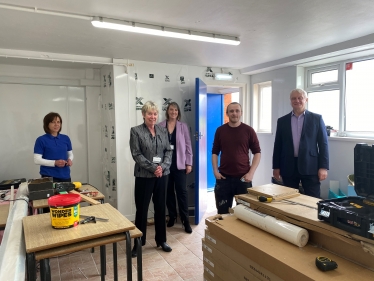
x: 164, y: 31
x: 223, y: 76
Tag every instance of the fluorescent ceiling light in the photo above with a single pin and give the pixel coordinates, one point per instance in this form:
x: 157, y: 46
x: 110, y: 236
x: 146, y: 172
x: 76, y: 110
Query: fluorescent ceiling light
x: 164, y: 31
x: 223, y: 76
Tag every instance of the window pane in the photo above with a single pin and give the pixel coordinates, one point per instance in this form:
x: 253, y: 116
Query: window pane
x: 265, y: 109
x: 360, y: 97
x: 325, y: 103
x: 325, y: 77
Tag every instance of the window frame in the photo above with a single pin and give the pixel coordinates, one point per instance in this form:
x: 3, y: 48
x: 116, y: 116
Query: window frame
x: 338, y: 85
x: 257, y: 90
x: 322, y: 68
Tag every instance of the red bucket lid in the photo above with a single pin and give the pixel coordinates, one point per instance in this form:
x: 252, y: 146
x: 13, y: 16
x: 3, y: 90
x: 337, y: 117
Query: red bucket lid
x: 64, y: 200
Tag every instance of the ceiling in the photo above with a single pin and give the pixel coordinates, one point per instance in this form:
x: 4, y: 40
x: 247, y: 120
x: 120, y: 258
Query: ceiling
x: 269, y: 30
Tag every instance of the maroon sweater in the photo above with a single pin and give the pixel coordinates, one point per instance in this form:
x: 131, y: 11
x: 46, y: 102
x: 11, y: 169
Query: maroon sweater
x: 234, y: 144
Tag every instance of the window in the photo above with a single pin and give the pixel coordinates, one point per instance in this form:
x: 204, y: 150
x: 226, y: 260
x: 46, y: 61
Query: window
x: 324, y: 77
x: 262, y: 103
x: 359, y: 96
x: 344, y: 94
x: 325, y: 103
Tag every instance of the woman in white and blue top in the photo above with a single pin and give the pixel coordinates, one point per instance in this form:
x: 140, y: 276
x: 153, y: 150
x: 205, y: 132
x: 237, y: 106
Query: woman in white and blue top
x: 53, y: 151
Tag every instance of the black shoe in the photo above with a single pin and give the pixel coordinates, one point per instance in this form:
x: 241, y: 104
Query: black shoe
x: 165, y: 247
x: 134, y: 251
x: 187, y: 227
x: 171, y: 221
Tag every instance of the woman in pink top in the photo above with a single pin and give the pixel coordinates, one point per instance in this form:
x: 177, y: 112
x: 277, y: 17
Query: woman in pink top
x: 181, y: 165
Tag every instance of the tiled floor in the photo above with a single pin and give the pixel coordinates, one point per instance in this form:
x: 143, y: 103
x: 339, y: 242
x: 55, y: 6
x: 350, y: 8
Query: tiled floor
x: 185, y: 262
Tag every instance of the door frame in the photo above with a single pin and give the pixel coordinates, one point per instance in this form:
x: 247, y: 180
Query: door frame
x: 244, y: 97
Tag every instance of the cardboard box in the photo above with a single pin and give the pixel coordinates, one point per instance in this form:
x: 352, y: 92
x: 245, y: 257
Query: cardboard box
x: 249, y: 265
x: 210, y: 276
x: 286, y: 260
x: 222, y: 266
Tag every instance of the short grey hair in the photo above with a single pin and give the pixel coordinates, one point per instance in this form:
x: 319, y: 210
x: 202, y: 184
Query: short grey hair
x: 301, y: 91
x: 149, y: 105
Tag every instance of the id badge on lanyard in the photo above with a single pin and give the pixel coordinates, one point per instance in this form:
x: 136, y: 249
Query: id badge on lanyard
x: 156, y: 159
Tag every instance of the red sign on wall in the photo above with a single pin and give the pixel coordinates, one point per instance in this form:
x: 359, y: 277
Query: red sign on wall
x: 348, y: 66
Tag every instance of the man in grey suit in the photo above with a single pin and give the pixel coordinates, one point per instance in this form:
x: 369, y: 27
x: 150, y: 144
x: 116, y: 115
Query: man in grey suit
x: 301, y: 151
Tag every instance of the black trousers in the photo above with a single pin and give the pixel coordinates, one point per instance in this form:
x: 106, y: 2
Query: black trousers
x: 225, y: 189
x: 311, y: 183
x: 145, y: 188
x: 177, y: 182
x: 57, y: 179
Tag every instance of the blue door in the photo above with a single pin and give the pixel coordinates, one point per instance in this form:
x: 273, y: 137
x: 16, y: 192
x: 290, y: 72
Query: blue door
x: 200, y: 150
x: 213, y: 122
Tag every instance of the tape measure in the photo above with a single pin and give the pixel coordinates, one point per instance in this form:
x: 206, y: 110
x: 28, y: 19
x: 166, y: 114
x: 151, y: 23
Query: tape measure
x: 325, y: 264
x: 265, y: 199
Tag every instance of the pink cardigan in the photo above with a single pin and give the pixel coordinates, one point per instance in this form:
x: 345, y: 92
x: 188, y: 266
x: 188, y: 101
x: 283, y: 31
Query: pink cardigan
x: 184, y: 149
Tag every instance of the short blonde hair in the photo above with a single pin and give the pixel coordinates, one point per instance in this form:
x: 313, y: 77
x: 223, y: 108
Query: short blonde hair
x: 149, y: 105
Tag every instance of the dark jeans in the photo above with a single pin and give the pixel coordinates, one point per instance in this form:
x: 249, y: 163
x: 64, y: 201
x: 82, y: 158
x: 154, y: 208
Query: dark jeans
x: 310, y: 183
x: 177, y: 182
x: 145, y: 188
x: 225, y: 189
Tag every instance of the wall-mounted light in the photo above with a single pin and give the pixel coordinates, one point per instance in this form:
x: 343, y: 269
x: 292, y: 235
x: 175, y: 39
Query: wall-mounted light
x: 164, y: 31
x: 223, y: 76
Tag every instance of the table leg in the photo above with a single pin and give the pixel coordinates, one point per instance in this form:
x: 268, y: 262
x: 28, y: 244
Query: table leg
x: 139, y: 259
x: 115, y: 267
x: 128, y: 255
x: 31, y: 267
x: 102, y: 262
x: 45, y: 270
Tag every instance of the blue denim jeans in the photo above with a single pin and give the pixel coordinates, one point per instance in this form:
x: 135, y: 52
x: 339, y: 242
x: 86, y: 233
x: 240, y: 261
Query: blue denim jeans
x: 224, y: 192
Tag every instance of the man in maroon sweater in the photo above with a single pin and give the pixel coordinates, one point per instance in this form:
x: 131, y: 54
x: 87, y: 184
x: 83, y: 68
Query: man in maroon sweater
x: 233, y: 140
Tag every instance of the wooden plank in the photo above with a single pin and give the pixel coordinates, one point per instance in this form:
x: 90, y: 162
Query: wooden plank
x: 275, y: 191
x: 39, y: 234
x: 86, y: 198
x: 4, y: 211
x: 76, y: 247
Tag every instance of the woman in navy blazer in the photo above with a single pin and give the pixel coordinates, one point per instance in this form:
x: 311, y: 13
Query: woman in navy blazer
x: 181, y: 165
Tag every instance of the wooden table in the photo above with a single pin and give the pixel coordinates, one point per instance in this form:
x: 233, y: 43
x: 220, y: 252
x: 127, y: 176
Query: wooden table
x: 39, y: 235
x: 43, y: 203
x: 4, y: 211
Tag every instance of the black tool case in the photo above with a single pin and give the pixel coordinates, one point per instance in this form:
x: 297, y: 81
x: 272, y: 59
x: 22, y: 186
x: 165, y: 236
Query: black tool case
x: 355, y: 214
x: 7, y: 184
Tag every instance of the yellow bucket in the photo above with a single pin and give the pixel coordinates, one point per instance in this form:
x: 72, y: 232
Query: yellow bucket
x: 64, y: 210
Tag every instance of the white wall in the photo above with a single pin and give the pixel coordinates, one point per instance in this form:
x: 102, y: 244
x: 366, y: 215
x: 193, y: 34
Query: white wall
x: 39, y: 88
x: 127, y: 88
x: 283, y: 82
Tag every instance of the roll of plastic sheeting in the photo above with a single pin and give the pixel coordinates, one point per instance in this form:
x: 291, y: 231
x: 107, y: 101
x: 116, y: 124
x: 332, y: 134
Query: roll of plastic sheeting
x: 289, y: 232
x: 12, y: 249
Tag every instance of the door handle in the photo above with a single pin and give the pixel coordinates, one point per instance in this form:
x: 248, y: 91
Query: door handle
x: 198, y: 135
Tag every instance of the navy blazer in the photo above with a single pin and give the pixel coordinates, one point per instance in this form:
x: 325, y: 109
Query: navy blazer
x: 313, y: 149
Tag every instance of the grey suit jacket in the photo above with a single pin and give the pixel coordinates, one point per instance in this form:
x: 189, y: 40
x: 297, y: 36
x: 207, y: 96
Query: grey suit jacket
x: 144, y: 147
